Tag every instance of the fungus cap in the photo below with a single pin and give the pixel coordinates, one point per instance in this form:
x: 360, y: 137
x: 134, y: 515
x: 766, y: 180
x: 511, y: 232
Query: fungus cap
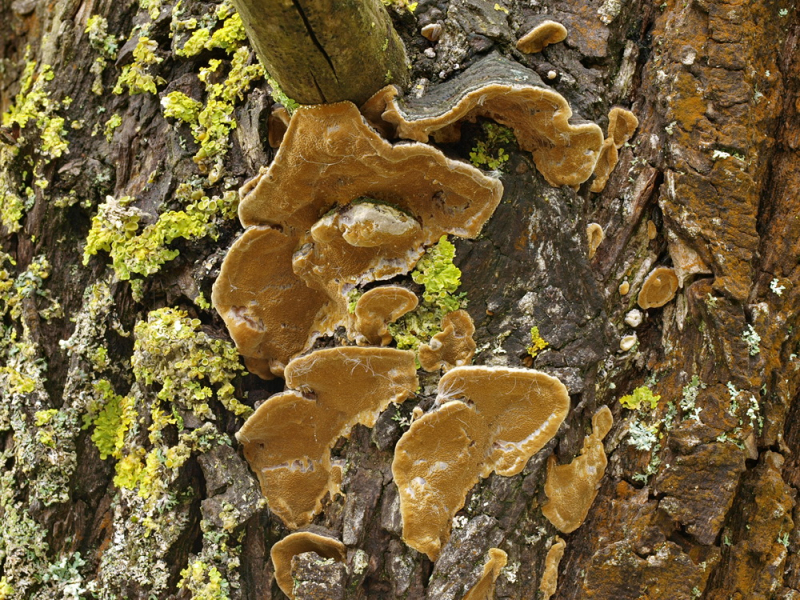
x: 298, y: 543
x: 549, y: 582
x: 270, y: 313
x: 537, y: 39
x: 277, y: 124
x: 609, y: 156
x: 510, y: 94
x: 436, y: 462
x: 658, y: 289
x: 622, y: 125
x: 451, y: 347
x: 330, y: 156
x: 595, y: 236
x: 572, y: 488
x: 484, y: 589
x: 377, y: 308
x: 522, y: 408
x: 287, y: 440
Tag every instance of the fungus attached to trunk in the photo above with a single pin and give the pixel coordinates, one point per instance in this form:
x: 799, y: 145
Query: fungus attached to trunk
x: 621, y: 126
x: 658, y: 289
x: 595, y: 237
x: 379, y: 307
x: 484, y: 589
x: 451, y: 347
x: 549, y: 581
x: 507, y: 416
x: 508, y: 93
x: 572, y: 488
x: 298, y: 543
x: 270, y: 313
x: 287, y: 440
x: 330, y: 157
x: 537, y: 39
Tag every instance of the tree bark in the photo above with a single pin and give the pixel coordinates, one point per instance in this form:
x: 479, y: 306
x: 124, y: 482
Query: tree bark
x: 707, y: 509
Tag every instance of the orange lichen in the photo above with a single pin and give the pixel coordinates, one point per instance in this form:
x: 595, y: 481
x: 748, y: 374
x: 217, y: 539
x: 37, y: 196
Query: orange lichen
x: 507, y: 93
x: 595, y: 236
x: 621, y: 126
x: 287, y: 441
x: 379, y: 307
x: 572, y: 488
x: 451, y: 347
x: 541, y: 36
x: 298, y: 543
x: 659, y: 288
x: 549, y: 581
x: 484, y: 589
x: 511, y: 415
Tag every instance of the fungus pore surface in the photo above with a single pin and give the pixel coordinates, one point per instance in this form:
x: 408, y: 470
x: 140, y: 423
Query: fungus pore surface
x: 287, y: 440
x: 507, y: 415
x: 508, y: 93
x: 549, y: 581
x: 572, y: 488
x: 484, y: 589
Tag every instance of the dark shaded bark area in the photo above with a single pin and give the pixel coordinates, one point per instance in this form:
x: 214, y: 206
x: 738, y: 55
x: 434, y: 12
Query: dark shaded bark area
x: 705, y: 509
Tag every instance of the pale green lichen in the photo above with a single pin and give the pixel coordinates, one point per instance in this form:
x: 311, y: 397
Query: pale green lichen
x: 642, y: 396
x: 752, y: 339
x: 689, y: 398
x: 440, y: 278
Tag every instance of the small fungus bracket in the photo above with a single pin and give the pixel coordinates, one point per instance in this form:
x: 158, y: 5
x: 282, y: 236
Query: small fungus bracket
x: 451, y: 347
x: 510, y: 94
x: 545, y: 33
x: 299, y: 542
x: 659, y: 288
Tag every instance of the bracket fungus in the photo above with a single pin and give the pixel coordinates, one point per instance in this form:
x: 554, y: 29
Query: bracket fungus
x: 484, y: 589
x: 298, y: 543
x: 545, y: 33
x: 451, y: 347
x: 311, y: 235
x: 572, y: 488
x: 508, y: 93
x: 506, y: 417
x: 622, y: 124
x: 658, y: 289
x: 287, y: 440
x: 549, y: 581
x: 277, y: 124
x: 379, y: 307
x: 595, y: 237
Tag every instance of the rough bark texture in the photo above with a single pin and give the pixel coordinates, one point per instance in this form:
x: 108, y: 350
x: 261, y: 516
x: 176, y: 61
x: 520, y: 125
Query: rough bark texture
x: 702, y: 507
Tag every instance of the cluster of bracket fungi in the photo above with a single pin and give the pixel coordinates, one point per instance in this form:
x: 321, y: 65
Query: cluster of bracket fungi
x: 341, y: 207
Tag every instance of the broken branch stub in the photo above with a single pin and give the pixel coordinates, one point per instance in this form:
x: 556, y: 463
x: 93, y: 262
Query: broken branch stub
x: 324, y: 51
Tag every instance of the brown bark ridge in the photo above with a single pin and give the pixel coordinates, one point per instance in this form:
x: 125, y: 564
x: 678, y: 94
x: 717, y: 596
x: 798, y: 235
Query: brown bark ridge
x: 326, y: 51
x: 119, y: 473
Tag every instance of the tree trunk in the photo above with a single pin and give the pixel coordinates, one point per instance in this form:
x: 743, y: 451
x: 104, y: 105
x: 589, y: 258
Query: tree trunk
x: 121, y: 474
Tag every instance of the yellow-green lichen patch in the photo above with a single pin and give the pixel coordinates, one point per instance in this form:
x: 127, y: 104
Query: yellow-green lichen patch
x: 106, y: 46
x: 642, y: 396
x: 137, y: 76
x: 211, y: 575
x: 440, y: 278
x: 537, y: 344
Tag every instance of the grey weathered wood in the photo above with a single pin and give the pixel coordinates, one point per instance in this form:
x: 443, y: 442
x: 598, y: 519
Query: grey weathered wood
x: 322, y: 51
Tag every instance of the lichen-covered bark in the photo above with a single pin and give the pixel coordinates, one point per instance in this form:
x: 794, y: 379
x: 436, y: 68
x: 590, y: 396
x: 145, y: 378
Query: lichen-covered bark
x: 120, y: 475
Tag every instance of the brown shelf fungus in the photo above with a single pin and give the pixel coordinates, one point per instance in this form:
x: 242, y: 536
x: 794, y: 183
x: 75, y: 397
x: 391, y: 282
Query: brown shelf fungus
x: 297, y: 543
x: 511, y: 414
x: 658, y: 289
x: 451, y: 347
x: 287, y: 440
x: 270, y: 313
x: 621, y: 126
x: 572, y: 488
x: 484, y: 589
x: 379, y: 307
x: 549, y: 581
x: 595, y: 237
x: 330, y: 157
x: 508, y: 93
x: 537, y: 39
